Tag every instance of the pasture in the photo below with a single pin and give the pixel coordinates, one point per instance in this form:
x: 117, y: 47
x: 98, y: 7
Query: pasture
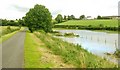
x: 94, y: 23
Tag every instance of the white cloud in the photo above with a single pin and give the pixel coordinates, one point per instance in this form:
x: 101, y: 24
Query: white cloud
x: 15, y: 9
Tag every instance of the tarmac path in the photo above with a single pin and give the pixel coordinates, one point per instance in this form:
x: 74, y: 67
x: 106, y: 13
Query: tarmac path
x: 13, y: 51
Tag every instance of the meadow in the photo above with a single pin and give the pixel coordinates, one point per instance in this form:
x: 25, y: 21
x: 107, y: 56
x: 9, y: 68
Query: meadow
x: 94, y: 23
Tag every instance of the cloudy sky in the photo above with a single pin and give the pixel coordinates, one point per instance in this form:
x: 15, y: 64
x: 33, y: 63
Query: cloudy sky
x: 15, y: 9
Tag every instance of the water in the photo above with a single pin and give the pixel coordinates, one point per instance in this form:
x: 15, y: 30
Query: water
x: 97, y: 43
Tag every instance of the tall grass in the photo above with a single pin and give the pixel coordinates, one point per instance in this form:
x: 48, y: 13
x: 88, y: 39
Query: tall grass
x: 73, y: 54
x: 8, y: 29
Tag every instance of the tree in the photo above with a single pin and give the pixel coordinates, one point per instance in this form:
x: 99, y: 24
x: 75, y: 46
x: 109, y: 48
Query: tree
x: 82, y: 17
x: 65, y: 18
x: 72, y: 17
x: 69, y: 17
x: 99, y: 17
x: 21, y: 22
x: 37, y: 18
x: 59, y: 18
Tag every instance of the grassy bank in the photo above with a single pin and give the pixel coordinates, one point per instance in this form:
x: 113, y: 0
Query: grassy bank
x: 6, y: 34
x: 32, y: 55
x: 37, y: 55
x: 8, y: 29
x: 72, y: 54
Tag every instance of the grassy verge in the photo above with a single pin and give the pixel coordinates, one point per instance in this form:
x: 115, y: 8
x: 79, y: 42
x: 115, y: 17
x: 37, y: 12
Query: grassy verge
x: 8, y: 29
x: 32, y: 54
x: 7, y: 36
x: 72, y: 54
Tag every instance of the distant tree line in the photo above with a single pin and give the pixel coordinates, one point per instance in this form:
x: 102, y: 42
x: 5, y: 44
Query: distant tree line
x: 100, y: 17
x: 5, y: 22
x: 60, y: 18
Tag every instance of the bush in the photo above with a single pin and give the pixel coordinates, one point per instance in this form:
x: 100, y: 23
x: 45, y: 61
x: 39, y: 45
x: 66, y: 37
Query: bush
x: 8, y: 28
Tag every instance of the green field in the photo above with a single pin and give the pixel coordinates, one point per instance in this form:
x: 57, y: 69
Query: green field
x: 108, y: 23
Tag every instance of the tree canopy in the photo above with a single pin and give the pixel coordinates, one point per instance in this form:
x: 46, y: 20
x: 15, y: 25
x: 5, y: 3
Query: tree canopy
x: 37, y: 18
x: 82, y: 17
x: 59, y: 18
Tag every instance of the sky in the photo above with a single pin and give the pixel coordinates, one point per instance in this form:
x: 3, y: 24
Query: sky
x: 15, y: 9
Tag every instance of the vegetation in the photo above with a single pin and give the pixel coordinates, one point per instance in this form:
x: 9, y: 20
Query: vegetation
x: 6, y: 33
x: 117, y: 53
x: 73, y: 54
x: 70, y: 35
x: 5, y: 22
x: 37, y: 18
x: 56, y: 33
x: 8, y: 29
x: 82, y: 17
x: 90, y: 24
x: 95, y: 23
x: 32, y: 54
x: 59, y: 18
x: 37, y: 55
x: 99, y: 17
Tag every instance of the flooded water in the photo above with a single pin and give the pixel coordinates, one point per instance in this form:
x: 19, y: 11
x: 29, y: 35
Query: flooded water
x: 97, y: 43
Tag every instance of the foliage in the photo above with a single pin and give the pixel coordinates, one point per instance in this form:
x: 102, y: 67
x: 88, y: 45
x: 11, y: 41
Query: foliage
x: 90, y: 25
x: 117, y: 53
x: 72, y: 17
x: 59, y: 18
x: 73, y: 54
x: 37, y: 18
x: 32, y: 57
x: 21, y: 22
x: 8, y: 29
x: 6, y: 22
x: 69, y: 17
x: 99, y: 17
x: 65, y: 17
x: 82, y: 17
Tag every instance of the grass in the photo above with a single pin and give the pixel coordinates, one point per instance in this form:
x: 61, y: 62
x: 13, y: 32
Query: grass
x: 5, y: 37
x: 10, y: 34
x: 32, y: 55
x: 73, y: 54
x: 94, y: 23
x: 8, y: 29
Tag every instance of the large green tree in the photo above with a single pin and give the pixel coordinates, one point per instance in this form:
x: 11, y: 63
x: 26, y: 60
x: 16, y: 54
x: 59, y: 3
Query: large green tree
x: 37, y: 18
x: 59, y: 18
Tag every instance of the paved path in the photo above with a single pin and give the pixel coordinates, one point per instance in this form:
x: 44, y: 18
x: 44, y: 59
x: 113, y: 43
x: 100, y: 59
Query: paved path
x: 13, y: 51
